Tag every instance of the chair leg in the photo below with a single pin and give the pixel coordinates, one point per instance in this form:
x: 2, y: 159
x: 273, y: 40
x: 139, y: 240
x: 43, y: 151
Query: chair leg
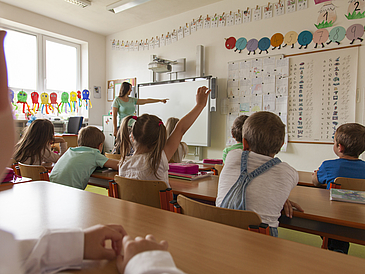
x: 325, y: 243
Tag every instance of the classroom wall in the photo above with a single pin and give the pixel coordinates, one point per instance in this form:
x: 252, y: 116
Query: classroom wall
x: 94, y: 44
x: 122, y: 64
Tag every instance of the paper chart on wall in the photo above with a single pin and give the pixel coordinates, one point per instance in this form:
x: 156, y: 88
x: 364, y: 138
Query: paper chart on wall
x: 322, y: 93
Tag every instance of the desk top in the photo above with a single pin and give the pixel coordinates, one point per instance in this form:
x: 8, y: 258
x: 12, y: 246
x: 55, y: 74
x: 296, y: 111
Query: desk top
x: 198, y: 246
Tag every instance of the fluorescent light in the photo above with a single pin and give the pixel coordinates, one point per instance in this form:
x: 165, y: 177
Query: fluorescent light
x: 81, y: 3
x: 124, y: 5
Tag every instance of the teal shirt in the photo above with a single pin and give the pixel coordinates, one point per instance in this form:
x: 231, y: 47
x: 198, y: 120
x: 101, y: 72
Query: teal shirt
x: 124, y: 108
x: 75, y: 167
x: 228, y: 149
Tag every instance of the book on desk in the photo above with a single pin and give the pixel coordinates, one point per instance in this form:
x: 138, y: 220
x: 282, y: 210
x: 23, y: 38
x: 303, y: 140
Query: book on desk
x: 345, y: 195
x: 190, y: 177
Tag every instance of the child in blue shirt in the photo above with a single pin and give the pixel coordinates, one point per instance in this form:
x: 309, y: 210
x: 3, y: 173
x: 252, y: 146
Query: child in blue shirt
x: 75, y: 167
x: 349, y: 143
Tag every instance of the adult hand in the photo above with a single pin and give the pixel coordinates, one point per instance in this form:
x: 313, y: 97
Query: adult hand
x: 94, y: 241
x: 115, y: 132
x: 289, y: 206
x: 202, y: 96
x: 132, y: 247
x: 164, y: 100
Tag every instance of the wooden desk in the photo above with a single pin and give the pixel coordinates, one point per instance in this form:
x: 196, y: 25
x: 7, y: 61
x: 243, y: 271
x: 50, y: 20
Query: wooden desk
x: 339, y: 220
x: 198, y: 246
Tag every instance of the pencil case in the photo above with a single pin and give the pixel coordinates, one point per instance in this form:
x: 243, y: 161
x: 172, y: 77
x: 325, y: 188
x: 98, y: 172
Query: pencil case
x: 9, y: 175
x: 213, y: 161
x: 184, y: 168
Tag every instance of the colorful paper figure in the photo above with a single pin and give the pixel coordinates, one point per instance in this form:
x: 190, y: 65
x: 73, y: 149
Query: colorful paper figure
x: 305, y: 38
x: 320, y: 36
x: 53, y: 98
x: 327, y: 16
x: 276, y: 40
x: 230, y: 42
x: 290, y: 38
x: 64, y: 102
x: 11, y: 98
x: 241, y: 44
x: 356, y: 9
x: 45, y: 103
x: 264, y: 44
x: 354, y: 32
x: 252, y: 46
x: 85, y: 96
x: 79, y: 98
x: 73, y: 101
x: 337, y: 34
x: 22, y: 97
x: 35, y: 101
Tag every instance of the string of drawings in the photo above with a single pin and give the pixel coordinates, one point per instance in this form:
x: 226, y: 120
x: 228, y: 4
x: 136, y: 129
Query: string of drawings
x: 312, y: 93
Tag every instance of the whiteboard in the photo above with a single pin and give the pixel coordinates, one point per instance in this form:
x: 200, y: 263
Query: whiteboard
x: 181, y: 95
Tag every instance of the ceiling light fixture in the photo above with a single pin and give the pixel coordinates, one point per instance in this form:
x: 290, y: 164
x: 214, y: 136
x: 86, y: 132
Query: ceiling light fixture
x: 124, y: 5
x: 81, y: 3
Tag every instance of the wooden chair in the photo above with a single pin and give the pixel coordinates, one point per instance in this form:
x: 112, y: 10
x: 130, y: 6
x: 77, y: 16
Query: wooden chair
x: 33, y: 171
x: 237, y: 218
x: 139, y: 191
x: 113, y: 156
x: 218, y: 168
x: 351, y: 184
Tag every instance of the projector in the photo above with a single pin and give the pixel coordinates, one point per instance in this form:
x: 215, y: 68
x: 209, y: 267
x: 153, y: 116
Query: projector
x: 159, y: 67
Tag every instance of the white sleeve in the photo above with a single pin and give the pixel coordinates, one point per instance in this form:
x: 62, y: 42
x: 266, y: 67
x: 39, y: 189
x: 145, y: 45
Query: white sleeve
x: 54, y: 251
x: 152, y: 262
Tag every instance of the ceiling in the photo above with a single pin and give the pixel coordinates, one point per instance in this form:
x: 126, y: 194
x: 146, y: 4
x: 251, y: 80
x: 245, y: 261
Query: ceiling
x: 97, y: 19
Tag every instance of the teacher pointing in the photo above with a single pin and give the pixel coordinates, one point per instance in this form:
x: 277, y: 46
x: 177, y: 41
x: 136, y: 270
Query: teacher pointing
x: 125, y: 105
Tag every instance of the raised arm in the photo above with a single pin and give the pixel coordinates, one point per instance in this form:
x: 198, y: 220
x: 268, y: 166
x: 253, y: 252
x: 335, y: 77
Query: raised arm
x: 149, y: 101
x: 185, y: 123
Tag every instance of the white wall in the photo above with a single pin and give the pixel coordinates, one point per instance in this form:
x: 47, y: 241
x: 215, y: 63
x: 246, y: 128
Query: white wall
x: 93, y: 43
x: 121, y: 64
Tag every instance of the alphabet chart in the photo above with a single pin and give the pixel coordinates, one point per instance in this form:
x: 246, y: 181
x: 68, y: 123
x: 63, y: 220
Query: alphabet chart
x: 322, y: 93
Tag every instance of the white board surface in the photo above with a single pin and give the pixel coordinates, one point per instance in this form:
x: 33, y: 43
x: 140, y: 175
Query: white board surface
x: 182, y: 99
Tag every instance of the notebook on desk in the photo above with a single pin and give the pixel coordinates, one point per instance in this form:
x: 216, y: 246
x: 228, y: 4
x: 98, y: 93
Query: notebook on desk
x: 190, y: 177
x: 345, y: 195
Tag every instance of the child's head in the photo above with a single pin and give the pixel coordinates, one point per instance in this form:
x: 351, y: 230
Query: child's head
x: 264, y: 132
x: 352, y: 137
x: 236, y: 130
x: 90, y: 137
x: 170, y: 125
x: 36, y: 138
x: 149, y: 134
x: 124, y: 89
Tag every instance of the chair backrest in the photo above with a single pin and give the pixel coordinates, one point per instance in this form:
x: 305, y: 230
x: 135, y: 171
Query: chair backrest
x: 219, y: 168
x: 351, y: 184
x: 74, y: 124
x: 139, y: 191
x: 32, y: 171
x: 232, y: 217
x: 113, y: 156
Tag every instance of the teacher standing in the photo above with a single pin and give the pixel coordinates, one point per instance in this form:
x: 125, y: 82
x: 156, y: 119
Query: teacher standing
x: 125, y: 105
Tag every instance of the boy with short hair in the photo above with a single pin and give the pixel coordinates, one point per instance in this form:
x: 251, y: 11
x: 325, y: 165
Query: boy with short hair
x: 75, y: 167
x: 264, y: 183
x: 349, y: 143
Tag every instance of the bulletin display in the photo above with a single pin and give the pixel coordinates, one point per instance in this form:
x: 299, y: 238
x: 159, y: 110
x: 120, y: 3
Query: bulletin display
x: 115, y: 85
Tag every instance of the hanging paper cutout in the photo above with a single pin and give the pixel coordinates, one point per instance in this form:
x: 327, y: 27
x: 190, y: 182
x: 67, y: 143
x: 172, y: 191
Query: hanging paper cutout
x: 11, y: 98
x: 279, y: 8
x: 35, y: 101
x: 327, y: 16
x: 268, y: 11
x: 230, y: 42
x: 22, y: 97
x: 247, y: 16
x: 222, y: 20
x: 45, y: 103
x: 305, y: 38
x: 238, y: 17
x: 264, y: 44
x: 64, y: 102
x: 53, y: 98
x: 356, y: 9
x: 85, y: 96
x: 337, y: 34
x: 276, y: 40
x: 241, y: 44
x: 79, y: 98
x: 252, y: 46
x: 320, y: 37
x: 73, y: 101
x: 290, y: 38
x: 354, y: 32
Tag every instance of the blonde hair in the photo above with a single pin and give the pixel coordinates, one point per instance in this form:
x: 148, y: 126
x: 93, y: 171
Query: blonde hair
x: 90, y: 137
x: 236, y: 130
x: 170, y: 126
x: 34, y: 142
x: 264, y: 132
x: 148, y: 131
x: 352, y: 137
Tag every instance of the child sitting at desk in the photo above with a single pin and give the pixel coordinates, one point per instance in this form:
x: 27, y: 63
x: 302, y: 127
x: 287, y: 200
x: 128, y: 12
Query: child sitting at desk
x: 264, y: 183
x: 236, y: 132
x: 182, y: 150
x: 75, y: 167
x: 34, y: 148
x: 152, y: 150
x: 349, y: 143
